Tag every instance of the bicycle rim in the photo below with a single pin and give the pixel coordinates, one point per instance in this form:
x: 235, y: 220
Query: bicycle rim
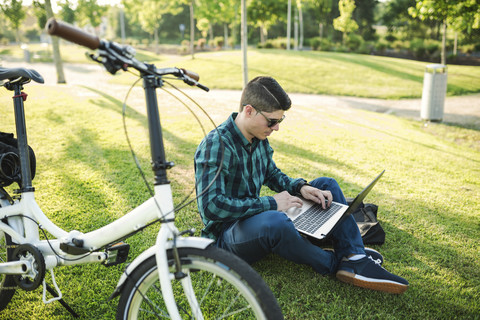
x: 221, y: 286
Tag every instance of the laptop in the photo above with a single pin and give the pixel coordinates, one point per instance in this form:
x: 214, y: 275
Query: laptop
x: 318, y: 223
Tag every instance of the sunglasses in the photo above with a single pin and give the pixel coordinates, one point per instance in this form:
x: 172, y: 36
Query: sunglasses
x: 270, y: 122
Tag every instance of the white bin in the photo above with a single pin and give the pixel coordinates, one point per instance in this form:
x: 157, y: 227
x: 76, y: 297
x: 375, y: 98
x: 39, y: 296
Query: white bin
x: 434, y: 91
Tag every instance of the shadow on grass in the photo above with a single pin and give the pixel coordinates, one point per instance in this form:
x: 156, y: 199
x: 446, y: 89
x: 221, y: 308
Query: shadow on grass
x: 113, y: 164
x: 379, y: 66
x: 444, y: 278
x: 432, y: 147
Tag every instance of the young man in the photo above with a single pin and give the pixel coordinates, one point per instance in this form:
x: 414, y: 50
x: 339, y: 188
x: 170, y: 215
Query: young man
x: 234, y: 161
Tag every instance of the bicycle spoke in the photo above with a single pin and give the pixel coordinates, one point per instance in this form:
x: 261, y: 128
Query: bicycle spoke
x: 234, y: 312
x: 152, y: 305
x: 207, y: 290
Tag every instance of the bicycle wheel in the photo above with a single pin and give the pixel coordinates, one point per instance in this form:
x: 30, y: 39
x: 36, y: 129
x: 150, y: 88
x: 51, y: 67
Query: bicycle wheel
x: 225, y: 287
x: 7, y: 284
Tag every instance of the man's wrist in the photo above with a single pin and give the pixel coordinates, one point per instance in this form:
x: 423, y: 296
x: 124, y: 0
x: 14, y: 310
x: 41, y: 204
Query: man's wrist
x: 302, y: 184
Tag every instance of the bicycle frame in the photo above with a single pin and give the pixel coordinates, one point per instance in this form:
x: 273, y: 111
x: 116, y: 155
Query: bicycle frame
x: 20, y: 215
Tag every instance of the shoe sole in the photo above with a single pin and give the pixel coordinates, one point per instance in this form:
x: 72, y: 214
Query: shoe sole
x: 385, y: 286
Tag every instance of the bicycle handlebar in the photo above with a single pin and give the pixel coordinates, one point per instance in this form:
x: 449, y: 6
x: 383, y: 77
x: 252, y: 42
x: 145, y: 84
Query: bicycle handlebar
x: 70, y: 33
x: 117, y: 56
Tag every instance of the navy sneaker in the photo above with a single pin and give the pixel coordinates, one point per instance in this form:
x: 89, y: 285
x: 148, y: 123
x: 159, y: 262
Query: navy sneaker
x: 367, y: 273
x: 375, y: 255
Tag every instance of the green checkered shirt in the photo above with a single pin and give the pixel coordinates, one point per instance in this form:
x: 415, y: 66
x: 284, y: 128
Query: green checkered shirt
x: 235, y: 193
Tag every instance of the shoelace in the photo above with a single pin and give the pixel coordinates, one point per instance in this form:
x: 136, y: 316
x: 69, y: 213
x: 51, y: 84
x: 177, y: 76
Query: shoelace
x: 378, y: 261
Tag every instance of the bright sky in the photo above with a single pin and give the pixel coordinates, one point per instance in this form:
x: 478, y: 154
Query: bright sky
x: 74, y: 2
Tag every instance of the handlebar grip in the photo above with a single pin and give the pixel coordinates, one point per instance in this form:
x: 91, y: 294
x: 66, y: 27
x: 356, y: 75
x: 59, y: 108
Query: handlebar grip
x: 71, y: 33
x: 191, y: 74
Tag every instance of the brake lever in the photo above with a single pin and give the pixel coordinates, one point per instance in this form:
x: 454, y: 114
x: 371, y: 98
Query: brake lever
x: 113, y: 56
x: 111, y: 63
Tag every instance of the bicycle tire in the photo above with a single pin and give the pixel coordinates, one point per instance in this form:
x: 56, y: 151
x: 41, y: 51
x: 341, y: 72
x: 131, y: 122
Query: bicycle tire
x: 7, y: 284
x: 226, y: 287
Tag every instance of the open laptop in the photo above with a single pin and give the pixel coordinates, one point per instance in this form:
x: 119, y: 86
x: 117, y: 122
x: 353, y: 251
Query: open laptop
x: 318, y: 223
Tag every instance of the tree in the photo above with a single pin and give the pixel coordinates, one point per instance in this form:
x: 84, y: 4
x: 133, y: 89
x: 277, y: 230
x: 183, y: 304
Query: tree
x: 40, y: 13
x: 396, y: 13
x: 264, y: 13
x: 66, y: 13
x: 322, y: 9
x: 227, y: 15
x: 217, y: 12
x: 13, y: 10
x: 459, y: 14
x: 90, y: 13
x: 203, y: 24
x: 364, y: 16
x: 149, y: 14
x: 57, y: 58
x: 344, y: 22
x: 467, y: 17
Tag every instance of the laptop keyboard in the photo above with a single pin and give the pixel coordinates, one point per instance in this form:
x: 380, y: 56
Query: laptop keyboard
x: 315, y: 217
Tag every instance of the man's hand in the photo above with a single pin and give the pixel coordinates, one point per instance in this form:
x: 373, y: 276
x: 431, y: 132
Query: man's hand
x: 316, y: 195
x: 285, y: 201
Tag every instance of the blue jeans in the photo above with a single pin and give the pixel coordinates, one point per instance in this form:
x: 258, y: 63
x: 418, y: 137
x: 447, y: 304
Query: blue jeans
x: 273, y: 232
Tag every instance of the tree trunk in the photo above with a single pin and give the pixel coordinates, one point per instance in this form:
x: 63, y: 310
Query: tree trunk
x: 225, y: 35
x: 17, y: 35
x: 455, y: 44
x: 295, y: 31
x: 57, y: 58
x: 244, y: 42
x: 262, y: 34
x: 192, y: 31
x: 122, y: 25
x: 210, y: 34
x: 444, y: 43
x: 300, y: 20
x: 289, y: 22
x: 155, y: 41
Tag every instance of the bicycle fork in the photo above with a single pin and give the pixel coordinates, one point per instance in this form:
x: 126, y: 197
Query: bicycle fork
x: 165, y: 277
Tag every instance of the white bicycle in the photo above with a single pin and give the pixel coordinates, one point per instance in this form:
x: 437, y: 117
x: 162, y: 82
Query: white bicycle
x: 180, y: 277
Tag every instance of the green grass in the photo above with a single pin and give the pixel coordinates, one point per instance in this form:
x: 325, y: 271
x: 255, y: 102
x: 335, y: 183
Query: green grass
x: 429, y: 197
x: 326, y: 73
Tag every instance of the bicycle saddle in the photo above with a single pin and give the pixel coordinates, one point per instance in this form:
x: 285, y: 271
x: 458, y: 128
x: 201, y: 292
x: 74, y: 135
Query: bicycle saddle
x: 14, y: 73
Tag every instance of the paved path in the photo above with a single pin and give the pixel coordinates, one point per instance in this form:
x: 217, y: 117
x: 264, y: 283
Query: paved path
x: 461, y: 110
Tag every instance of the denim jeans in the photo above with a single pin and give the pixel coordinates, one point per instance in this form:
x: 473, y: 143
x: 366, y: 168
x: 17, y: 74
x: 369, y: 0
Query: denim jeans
x: 273, y: 232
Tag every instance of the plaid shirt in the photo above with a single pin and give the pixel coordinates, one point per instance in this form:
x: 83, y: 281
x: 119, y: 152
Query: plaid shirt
x: 235, y: 193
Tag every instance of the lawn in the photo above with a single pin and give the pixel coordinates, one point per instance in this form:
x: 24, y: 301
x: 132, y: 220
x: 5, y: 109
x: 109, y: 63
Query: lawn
x: 429, y: 197
x: 330, y: 73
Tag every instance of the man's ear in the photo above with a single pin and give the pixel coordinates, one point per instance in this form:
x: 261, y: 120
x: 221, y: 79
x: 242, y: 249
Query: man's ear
x: 248, y: 109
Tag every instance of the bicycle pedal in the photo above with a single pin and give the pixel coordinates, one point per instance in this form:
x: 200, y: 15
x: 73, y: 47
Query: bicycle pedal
x: 116, y: 253
x: 73, y: 249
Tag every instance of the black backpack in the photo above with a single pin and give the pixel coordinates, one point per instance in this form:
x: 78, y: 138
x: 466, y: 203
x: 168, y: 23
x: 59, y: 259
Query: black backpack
x: 10, y: 160
x: 366, y: 218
